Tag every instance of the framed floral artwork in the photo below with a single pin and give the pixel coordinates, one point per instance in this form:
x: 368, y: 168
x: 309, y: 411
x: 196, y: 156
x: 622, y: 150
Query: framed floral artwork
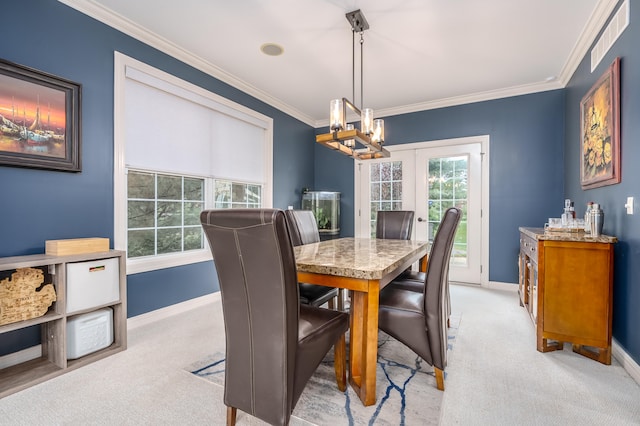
x: 600, y: 131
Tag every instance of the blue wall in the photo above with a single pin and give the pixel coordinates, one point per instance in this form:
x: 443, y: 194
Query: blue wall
x: 526, y: 153
x: 626, y: 290
x: 534, y: 166
x: 535, y: 152
x: 39, y: 205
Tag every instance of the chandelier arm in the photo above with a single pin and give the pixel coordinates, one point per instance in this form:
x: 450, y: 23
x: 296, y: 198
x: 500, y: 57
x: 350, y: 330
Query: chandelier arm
x: 347, y: 103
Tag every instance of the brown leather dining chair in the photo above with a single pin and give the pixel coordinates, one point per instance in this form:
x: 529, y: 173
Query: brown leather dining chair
x: 419, y: 319
x: 304, y: 230
x: 273, y: 344
x: 414, y: 280
x: 394, y: 224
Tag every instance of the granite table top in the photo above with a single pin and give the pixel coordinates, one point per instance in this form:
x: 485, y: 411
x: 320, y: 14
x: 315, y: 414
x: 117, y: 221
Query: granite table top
x: 361, y: 258
x: 541, y: 234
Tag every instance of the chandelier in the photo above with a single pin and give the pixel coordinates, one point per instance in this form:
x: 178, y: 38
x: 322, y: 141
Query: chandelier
x: 344, y: 136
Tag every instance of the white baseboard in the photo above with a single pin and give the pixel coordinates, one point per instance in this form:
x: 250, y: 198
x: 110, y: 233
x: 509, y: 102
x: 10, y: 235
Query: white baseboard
x: 169, y: 311
x: 19, y: 357
x: 497, y: 285
x: 491, y: 285
x: 626, y: 361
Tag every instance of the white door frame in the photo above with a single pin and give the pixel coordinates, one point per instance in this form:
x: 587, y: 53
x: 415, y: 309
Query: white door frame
x: 484, y: 220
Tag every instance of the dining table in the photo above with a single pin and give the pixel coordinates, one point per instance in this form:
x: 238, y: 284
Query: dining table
x: 364, y: 266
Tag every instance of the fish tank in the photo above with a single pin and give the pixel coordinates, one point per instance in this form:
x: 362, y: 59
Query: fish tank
x: 325, y: 206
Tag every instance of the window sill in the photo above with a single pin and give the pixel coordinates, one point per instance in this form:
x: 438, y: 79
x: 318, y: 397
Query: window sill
x: 136, y: 266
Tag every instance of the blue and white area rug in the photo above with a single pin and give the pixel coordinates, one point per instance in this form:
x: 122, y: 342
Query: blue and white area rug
x: 406, y: 388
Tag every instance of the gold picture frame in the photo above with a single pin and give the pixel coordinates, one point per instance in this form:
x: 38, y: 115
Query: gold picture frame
x: 600, y: 131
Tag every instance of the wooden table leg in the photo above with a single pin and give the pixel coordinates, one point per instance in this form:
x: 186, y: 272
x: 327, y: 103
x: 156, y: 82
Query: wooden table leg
x: 355, y: 340
x: 364, y: 343
x: 370, y: 340
x: 424, y: 263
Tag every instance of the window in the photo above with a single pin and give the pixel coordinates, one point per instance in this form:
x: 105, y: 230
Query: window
x: 163, y: 214
x: 236, y: 195
x: 447, y: 184
x: 386, y: 189
x: 180, y: 149
x: 163, y: 210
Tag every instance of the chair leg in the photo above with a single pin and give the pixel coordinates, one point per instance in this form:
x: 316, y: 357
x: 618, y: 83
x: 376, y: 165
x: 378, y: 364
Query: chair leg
x: 341, y: 299
x: 340, y: 362
x: 332, y: 304
x: 439, y: 378
x: 231, y: 416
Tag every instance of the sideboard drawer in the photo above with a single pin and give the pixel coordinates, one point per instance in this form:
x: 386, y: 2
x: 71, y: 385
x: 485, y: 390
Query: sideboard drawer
x: 529, y: 247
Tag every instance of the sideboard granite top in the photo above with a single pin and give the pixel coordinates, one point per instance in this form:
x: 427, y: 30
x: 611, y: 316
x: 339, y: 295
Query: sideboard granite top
x: 541, y: 234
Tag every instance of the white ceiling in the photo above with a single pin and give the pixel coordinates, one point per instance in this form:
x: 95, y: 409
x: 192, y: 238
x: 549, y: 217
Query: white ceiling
x: 418, y: 54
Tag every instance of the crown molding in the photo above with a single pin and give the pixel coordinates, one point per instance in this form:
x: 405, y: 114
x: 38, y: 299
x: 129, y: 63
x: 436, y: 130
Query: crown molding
x: 126, y: 26
x: 524, y: 89
x: 594, y: 25
x: 598, y: 18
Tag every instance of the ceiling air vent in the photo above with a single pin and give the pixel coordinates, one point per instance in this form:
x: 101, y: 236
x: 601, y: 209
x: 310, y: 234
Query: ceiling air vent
x: 618, y: 23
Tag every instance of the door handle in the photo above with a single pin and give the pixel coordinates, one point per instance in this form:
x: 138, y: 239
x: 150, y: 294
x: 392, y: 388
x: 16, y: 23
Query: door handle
x: 421, y: 219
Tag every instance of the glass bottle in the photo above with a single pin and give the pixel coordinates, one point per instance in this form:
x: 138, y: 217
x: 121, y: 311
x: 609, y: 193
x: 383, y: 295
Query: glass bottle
x: 566, y: 216
x: 587, y: 217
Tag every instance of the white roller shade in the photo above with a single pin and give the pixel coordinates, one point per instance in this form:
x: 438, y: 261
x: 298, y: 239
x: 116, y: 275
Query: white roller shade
x: 165, y: 132
x: 170, y: 129
x: 236, y: 153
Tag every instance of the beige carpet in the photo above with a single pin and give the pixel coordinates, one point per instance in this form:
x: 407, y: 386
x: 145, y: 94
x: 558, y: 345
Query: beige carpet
x: 495, y: 376
x: 406, y: 388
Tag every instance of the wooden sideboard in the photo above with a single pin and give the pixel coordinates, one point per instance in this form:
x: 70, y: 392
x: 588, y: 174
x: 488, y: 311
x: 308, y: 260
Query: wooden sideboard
x: 566, y: 285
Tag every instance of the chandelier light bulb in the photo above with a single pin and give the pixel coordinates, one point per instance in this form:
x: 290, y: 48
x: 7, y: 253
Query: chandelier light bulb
x: 349, y: 142
x: 336, y: 115
x: 378, y: 131
x: 367, y: 121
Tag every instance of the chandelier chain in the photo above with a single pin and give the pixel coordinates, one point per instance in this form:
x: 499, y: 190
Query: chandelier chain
x: 353, y: 66
x: 361, y: 71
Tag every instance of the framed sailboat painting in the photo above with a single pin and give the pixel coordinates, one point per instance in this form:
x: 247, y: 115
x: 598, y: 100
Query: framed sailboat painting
x: 39, y: 119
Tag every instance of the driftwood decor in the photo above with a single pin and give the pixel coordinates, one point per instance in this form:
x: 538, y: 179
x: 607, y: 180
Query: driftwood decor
x: 23, y: 296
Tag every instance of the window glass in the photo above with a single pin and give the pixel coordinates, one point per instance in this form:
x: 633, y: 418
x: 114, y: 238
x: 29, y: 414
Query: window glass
x: 386, y: 189
x: 163, y: 213
x: 237, y: 195
x: 448, y: 186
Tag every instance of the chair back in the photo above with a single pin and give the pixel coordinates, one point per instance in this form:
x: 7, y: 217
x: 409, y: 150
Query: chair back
x: 302, y: 226
x: 436, y: 286
x: 395, y: 224
x: 256, y: 269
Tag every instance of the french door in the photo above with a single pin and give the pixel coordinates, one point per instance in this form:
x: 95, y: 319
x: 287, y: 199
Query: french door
x: 429, y: 178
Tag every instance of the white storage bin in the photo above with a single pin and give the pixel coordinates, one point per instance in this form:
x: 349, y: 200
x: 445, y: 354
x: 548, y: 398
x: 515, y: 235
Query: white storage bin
x: 91, y: 284
x: 89, y: 332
